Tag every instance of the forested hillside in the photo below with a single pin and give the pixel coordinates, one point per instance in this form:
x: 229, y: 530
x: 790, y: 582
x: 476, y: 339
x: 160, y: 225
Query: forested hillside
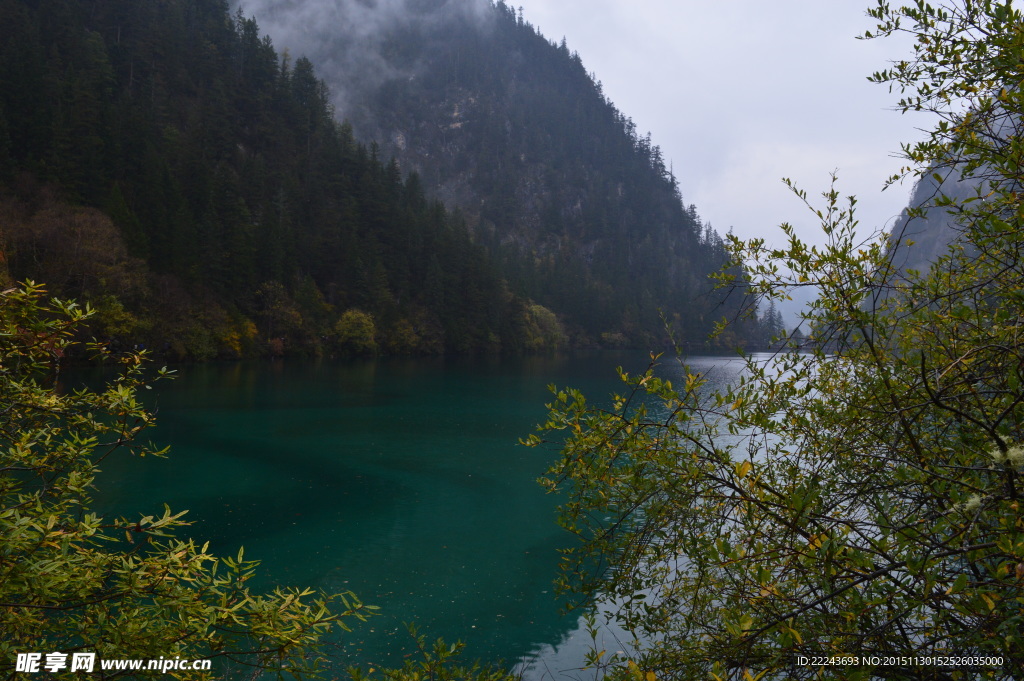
x: 163, y: 162
x: 581, y: 209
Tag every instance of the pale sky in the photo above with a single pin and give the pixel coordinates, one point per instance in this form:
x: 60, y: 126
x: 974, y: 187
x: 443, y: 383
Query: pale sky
x: 741, y: 94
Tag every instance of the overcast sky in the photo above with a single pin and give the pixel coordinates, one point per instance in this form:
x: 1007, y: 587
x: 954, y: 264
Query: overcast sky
x: 741, y: 94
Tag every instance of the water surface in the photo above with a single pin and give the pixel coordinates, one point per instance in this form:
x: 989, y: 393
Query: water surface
x: 400, y: 480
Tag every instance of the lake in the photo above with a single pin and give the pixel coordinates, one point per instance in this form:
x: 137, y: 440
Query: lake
x: 400, y: 480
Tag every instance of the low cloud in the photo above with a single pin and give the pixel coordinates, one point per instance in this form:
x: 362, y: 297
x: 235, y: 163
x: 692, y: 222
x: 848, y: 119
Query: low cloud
x: 349, y: 40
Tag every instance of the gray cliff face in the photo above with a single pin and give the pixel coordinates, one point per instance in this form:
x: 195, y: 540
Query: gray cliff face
x: 918, y: 241
x: 934, y: 231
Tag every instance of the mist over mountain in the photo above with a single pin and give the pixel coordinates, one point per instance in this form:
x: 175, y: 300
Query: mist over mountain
x: 350, y: 40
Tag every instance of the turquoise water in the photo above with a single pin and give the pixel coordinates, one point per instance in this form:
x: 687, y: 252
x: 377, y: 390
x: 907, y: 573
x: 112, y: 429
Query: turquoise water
x: 400, y: 480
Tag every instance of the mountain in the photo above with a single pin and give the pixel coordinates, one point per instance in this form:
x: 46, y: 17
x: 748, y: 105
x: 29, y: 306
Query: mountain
x: 165, y: 164
x: 509, y: 127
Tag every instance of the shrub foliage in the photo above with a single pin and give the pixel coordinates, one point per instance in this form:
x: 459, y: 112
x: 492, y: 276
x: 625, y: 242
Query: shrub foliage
x: 860, y: 496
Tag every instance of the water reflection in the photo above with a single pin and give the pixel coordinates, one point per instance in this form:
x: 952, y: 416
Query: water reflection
x: 564, y: 660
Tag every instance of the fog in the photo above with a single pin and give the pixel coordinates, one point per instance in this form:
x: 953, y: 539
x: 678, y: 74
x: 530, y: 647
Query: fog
x: 347, y: 40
